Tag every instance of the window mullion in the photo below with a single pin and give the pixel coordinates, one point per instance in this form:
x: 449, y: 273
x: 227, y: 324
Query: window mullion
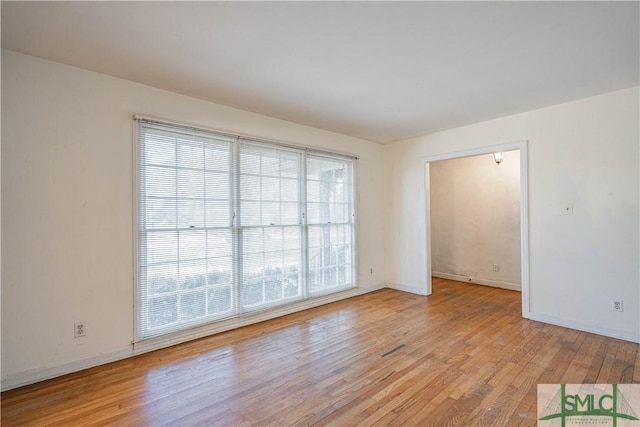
x: 304, y: 275
x: 236, y: 259
x: 206, y: 232
x: 142, y: 234
x: 178, y: 263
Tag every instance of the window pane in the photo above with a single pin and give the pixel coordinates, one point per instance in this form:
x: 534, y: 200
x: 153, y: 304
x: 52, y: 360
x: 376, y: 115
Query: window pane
x: 271, y: 265
x: 271, y: 176
x: 289, y: 167
x: 217, y: 213
x: 217, y: 157
x: 192, y: 305
x: 250, y: 213
x: 289, y: 213
x: 219, y: 243
x: 270, y: 213
x: 292, y: 286
x: 161, y: 247
x: 190, y: 183
x: 313, y: 169
x: 161, y: 213
x: 250, y: 162
x: 219, y: 300
x: 190, y: 154
x: 160, y: 182
x: 217, y: 185
x: 162, y: 310
x: 190, y: 213
x: 160, y: 150
x: 289, y: 190
x: 270, y: 189
x: 250, y: 187
x: 219, y: 271
x: 193, y: 274
x: 270, y: 164
x: 162, y: 278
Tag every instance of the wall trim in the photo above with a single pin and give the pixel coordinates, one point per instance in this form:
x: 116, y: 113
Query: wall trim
x: 477, y: 281
x: 31, y: 376
x: 19, y: 379
x: 410, y: 289
x: 607, y: 332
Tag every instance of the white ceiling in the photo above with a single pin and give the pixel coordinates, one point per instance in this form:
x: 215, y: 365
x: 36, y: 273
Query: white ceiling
x: 381, y: 71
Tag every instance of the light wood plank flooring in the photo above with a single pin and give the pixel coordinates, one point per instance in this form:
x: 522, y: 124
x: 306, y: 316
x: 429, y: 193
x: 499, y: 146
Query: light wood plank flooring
x: 463, y: 356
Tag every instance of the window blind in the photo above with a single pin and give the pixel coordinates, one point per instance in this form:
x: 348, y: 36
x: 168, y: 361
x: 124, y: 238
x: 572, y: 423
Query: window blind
x: 330, y: 231
x: 228, y: 225
x: 270, y: 225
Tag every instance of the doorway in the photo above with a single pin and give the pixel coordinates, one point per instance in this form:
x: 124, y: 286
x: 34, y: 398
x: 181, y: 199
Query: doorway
x: 499, y: 266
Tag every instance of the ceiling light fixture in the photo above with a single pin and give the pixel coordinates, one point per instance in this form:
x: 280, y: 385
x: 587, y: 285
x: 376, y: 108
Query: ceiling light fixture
x: 498, y: 157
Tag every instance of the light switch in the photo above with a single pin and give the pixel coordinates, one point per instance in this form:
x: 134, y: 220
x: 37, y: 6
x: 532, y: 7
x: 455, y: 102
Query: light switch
x: 568, y: 208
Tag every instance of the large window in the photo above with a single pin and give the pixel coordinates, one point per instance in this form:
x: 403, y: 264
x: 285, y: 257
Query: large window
x: 228, y: 225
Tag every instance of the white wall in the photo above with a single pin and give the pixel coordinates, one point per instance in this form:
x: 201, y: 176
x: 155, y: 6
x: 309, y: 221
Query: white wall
x: 68, y: 207
x: 475, y: 219
x: 585, y: 152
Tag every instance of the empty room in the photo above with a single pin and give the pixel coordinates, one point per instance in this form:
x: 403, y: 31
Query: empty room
x: 320, y: 213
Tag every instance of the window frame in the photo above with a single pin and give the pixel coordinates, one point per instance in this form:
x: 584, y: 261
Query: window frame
x: 237, y: 228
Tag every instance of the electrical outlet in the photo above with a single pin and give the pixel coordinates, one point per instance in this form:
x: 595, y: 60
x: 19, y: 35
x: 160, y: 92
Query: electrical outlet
x: 496, y: 267
x: 616, y: 305
x: 79, y: 330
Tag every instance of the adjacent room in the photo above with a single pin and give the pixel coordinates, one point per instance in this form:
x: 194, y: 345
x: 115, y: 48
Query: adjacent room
x: 474, y: 219
x: 317, y: 213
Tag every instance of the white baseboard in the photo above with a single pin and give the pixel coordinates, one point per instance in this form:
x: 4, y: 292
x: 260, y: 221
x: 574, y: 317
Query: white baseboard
x: 405, y: 288
x: 31, y: 376
x: 612, y: 333
x: 477, y: 281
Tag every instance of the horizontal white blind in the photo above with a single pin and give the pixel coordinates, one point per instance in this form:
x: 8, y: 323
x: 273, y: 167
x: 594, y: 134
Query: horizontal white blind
x: 270, y: 225
x: 229, y: 225
x: 330, y: 223
x: 185, y: 271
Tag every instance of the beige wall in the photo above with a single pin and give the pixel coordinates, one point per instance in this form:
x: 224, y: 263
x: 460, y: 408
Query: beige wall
x: 585, y: 152
x: 67, y: 230
x: 475, y: 219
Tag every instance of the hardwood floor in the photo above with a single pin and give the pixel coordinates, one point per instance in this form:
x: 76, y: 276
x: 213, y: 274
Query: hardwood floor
x: 462, y: 356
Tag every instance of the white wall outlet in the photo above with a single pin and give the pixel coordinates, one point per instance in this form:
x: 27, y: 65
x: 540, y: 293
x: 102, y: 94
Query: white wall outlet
x: 616, y: 305
x: 496, y: 267
x: 79, y: 330
x: 568, y: 208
